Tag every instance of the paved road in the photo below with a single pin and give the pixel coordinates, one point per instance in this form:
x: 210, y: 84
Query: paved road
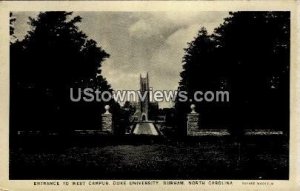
x: 145, y: 129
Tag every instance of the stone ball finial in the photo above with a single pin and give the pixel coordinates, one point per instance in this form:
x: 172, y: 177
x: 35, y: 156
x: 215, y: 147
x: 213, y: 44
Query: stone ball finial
x: 193, y: 107
x: 106, y: 107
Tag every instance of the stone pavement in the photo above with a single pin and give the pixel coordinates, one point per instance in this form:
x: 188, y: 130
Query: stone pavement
x: 143, y: 128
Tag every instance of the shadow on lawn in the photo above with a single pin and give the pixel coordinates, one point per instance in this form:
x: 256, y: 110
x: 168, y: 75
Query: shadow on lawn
x: 149, y: 157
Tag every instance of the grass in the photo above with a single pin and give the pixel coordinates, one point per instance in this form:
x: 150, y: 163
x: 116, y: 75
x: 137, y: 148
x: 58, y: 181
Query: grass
x: 206, y: 158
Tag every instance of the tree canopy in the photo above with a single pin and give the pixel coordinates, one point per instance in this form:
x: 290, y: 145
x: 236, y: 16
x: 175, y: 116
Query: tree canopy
x: 247, y: 55
x: 54, y: 56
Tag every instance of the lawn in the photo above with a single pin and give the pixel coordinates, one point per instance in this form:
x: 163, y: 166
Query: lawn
x: 205, y: 158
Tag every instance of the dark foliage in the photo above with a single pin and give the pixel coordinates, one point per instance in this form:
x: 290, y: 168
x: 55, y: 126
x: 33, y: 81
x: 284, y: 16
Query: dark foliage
x: 247, y: 55
x: 54, y: 57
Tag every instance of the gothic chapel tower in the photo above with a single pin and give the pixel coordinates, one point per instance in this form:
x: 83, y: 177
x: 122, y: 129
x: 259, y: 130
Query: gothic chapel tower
x: 144, y: 104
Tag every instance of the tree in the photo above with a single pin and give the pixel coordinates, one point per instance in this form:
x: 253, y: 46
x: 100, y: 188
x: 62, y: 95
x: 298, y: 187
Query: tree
x: 53, y: 57
x: 201, y: 72
x: 255, y: 48
x: 12, y: 20
x: 248, y: 55
x: 55, y: 45
x: 197, y: 55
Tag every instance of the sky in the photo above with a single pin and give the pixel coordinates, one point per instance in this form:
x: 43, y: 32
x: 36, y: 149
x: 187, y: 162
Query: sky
x: 140, y: 42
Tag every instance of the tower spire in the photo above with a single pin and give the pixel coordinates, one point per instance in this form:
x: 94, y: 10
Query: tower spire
x: 144, y: 103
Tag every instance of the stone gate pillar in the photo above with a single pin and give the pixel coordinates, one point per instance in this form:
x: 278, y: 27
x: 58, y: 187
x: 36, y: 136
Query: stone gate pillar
x: 192, y: 122
x: 107, y: 123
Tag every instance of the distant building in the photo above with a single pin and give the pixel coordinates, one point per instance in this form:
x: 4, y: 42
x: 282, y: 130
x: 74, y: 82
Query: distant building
x: 145, y: 109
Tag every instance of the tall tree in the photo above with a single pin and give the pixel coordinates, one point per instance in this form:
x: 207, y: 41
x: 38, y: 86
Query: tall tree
x: 256, y: 48
x: 197, y: 73
x: 53, y: 57
x: 248, y: 54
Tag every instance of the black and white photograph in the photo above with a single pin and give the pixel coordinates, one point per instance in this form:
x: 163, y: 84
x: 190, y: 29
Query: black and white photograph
x: 149, y: 95
x: 146, y: 95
